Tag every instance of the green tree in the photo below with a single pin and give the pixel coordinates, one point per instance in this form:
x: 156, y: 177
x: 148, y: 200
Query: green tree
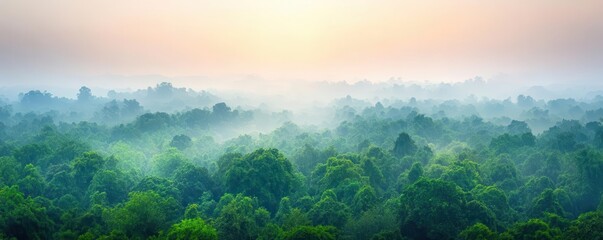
x: 284, y: 209
x: 546, y: 202
x: 495, y: 199
x: 144, y: 214
x: 531, y: 190
x: 114, y: 183
x: 478, y: 231
x: 329, y: 211
x: 221, y: 112
x: 194, y: 228
x: 390, y: 166
x: 84, y: 167
x: 375, y: 175
x: 9, y: 171
x: 564, y: 142
x: 416, y: 171
x: 62, y: 183
x: 502, y: 172
x: 404, y: 145
x: 21, y: 217
x: 310, y: 233
x: 192, y: 181
x: 32, y: 183
x: 296, y: 217
x: 181, y: 142
x: 32, y: 153
x: 265, y: 174
x: 192, y: 211
x: 590, y: 166
x: 165, y: 164
x: 432, y: 209
x: 163, y: 187
x: 532, y: 229
x: 588, y: 226
x: 463, y: 173
x: 308, y: 157
x: 150, y: 122
x: 237, y: 218
x: 196, y: 118
x: 373, y: 223
x: 84, y: 94
x: 506, y: 143
x: 364, y: 199
x: 477, y: 211
x: 342, y: 176
x: 518, y: 127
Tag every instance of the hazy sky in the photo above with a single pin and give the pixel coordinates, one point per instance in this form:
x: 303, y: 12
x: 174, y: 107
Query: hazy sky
x: 282, y: 40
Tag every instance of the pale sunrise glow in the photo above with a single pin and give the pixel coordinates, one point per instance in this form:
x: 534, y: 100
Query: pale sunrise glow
x: 311, y: 40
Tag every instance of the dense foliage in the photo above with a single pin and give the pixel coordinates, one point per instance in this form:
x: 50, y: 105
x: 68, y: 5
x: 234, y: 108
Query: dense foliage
x: 380, y: 173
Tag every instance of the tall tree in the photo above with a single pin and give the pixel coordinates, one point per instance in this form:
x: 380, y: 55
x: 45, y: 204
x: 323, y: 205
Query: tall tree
x: 404, y: 145
x: 84, y: 94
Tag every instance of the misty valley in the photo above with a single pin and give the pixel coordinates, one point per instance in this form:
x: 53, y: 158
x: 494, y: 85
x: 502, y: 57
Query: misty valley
x: 410, y: 162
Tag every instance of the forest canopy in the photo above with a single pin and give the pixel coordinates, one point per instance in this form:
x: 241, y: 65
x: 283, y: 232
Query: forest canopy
x: 174, y: 163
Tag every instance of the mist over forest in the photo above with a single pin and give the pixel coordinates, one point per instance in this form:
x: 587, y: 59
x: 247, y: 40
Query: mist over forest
x: 318, y: 104
x: 301, y: 120
x: 479, y: 159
